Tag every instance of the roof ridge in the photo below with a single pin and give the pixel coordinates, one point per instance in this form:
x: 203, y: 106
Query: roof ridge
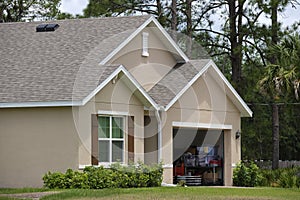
x: 147, y: 16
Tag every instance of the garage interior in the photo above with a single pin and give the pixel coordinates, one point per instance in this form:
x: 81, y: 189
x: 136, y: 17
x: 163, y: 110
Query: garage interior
x: 198, y: 156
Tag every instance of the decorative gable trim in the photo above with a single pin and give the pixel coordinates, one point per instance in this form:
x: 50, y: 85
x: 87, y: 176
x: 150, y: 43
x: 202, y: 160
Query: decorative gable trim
x: 244, y: 109
x: 136, y: 32
x: 145, y: 43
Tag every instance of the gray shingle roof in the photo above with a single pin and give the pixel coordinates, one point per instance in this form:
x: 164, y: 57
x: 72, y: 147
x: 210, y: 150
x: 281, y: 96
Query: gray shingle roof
x: 43, y: 66
x: 167, y: 88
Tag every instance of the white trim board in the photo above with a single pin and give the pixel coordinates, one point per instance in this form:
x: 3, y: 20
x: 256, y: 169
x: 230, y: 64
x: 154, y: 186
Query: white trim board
x: 244, y: 109
x: 130, y: 77
x: 202, y: 125
x: 40, y: 104
x: 88, y: 97
x: 110, y: 112
x: 136, y: 32
x: 187, y: 86
x: 236, y: 95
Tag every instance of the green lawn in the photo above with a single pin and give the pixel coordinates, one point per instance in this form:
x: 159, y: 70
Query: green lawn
x: 207, y: 193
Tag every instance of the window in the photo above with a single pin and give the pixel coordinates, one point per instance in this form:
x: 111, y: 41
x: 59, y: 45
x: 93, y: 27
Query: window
x: 111, y: 139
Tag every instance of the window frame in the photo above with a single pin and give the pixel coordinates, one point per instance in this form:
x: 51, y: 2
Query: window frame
x: 111, y: 139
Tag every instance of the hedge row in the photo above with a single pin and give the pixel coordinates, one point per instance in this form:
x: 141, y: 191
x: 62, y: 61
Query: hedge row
x: 117, y: 176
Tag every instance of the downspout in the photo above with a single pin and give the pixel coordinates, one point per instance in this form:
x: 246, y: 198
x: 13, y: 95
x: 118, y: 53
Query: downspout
x: 159, y: 134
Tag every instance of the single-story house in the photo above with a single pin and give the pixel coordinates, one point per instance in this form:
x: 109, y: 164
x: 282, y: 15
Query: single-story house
x: 81, y: 92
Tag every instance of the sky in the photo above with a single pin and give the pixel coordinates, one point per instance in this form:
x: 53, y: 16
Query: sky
x: 76, y: 6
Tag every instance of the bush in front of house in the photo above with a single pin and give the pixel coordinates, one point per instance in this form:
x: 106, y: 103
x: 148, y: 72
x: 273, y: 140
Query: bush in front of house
x: 285, y: 177
x: 117, y: 176
x: 249, y: 175
x: 246, y: 175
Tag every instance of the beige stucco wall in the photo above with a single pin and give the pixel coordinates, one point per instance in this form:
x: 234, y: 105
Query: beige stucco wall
x: 205, y: 102
x: 150, y: 138
x: 34, y: 141
x: 147, y: 70
x: 117, y: 98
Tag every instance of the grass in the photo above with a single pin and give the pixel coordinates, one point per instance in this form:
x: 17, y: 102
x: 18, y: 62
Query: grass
x: 21, y: 190
x: 181, y: 193
x: 189, y: 193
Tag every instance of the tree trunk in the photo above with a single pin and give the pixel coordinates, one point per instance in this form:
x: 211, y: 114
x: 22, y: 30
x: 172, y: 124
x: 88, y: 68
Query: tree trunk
x: 189, y: 27
x: 1, y: 13
x: 235, y: 39
x: 174, y: 20
x: 275, y: 130
x: 275, y: 114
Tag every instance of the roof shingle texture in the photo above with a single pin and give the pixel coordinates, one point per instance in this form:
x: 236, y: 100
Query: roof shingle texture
x: 178, y: 77
x: 62, y: 65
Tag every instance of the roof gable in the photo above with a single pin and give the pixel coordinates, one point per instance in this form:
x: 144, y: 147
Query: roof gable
x: 164, y: 36
x: 43, y: 66
x: 182, y: 77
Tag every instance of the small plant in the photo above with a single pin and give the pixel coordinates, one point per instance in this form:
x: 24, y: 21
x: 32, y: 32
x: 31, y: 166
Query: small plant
x: 181, y: 183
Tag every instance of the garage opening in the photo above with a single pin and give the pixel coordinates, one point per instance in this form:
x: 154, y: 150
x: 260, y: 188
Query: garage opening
x: 198, y: 156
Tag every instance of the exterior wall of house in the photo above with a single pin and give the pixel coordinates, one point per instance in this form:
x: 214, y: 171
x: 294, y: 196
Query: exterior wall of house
x: 34, y: 141
x: 150, y: 129
x: 118, y: 98
x: 204, y: 102
x: 148, y: 70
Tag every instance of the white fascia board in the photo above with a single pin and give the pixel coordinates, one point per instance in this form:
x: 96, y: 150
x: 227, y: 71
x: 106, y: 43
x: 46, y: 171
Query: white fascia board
x: 102, y: 85
x: 169, y: 38
x: 87, y: 98
x: 247, y: 113
x: 204, y: 69
x: 136, y: 32
x: 140, y: 88
x: 125, y: 42
x: 202, y: 125
x: 236, y: 95
x: 40, y: 104
x: 130, y: 77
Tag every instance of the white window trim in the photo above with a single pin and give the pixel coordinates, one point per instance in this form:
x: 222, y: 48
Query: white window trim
x: 110, y: 139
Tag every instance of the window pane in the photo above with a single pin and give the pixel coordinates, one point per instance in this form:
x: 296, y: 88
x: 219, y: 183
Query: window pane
x: 117, y: 151
x: 103, y: 128
x: 104, y: 151
x: 117, y: 127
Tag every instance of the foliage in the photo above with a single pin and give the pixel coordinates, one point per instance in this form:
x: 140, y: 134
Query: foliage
x: 285, y: 178
x: 117, y: 176
x: 246, y: 175
x: 15, y: 11
x: 181, y: 183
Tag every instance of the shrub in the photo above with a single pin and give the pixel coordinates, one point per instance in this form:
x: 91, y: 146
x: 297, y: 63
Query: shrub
x: 286, y: 177
x: 54, y: 180
x: 117, y: 176
x: 246, y: 175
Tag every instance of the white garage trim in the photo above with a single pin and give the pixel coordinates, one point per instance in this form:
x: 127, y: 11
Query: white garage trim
x: 202, y: 125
